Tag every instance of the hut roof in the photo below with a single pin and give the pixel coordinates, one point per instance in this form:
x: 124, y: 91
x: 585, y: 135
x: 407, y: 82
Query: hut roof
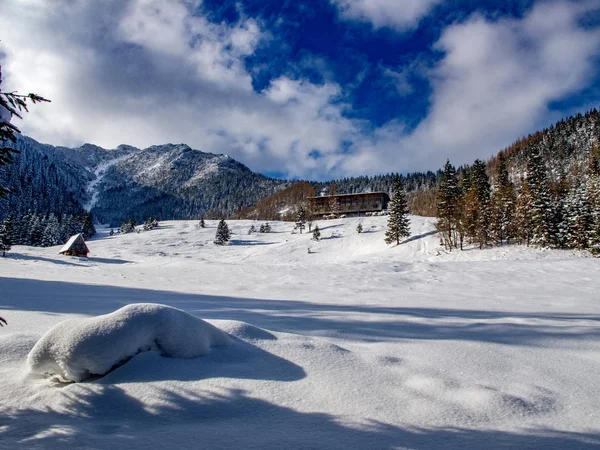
x: 76, y: 243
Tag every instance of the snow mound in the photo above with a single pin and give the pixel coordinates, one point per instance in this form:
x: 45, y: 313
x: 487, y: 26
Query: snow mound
x: 77, y: 349
x: 247, y: 332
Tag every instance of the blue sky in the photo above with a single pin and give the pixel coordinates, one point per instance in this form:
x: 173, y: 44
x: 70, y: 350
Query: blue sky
x: 304, y: 89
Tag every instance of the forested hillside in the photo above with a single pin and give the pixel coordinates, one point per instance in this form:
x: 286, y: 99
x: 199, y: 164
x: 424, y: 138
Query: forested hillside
x: 544, y: 190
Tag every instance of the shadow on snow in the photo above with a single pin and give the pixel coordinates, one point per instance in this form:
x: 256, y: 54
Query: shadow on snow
x: 292, y: 316
x: 232, y: 420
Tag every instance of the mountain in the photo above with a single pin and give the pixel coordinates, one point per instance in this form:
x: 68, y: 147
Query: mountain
x: 171, y: 181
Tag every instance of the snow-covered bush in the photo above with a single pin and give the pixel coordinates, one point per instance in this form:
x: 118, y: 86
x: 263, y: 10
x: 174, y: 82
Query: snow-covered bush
x: 77, y: 349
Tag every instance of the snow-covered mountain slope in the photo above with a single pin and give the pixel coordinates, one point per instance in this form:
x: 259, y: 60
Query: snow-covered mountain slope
x: 354, y: 345
x: 168, y: 181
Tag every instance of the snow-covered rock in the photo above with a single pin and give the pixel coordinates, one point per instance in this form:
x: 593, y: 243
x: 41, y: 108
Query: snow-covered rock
x: 76, y: 349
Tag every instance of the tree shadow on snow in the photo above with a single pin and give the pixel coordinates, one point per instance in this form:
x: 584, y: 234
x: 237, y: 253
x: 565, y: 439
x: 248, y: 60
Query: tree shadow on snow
x: 419, y: 236
x: 292, y: 316
x: 249, y: 242
x: 101, y: 416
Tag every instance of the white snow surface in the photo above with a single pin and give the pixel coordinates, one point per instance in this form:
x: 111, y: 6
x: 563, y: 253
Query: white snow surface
x: 76, y: 349
x: 357, y: 345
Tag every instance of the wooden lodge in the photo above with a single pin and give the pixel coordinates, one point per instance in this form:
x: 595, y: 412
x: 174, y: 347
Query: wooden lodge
x: 75, y: 246
x: 348, y: 204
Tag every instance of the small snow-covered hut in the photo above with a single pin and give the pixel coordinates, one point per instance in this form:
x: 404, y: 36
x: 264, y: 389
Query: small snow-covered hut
x: 75, y: 246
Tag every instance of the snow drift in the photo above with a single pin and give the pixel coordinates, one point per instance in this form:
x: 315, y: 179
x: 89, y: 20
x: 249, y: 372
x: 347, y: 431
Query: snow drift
x: 76, y: 349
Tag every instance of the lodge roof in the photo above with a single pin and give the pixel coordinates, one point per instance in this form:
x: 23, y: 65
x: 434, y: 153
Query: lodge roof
x: 348, y: 195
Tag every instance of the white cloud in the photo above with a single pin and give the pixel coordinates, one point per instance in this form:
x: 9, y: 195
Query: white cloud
x: 144, y: 72
x: 493, y: 85
x: 398, y: 14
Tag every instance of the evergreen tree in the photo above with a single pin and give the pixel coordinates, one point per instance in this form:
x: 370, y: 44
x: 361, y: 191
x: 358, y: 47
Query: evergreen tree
x: 523, y: 223
x: 301, y: 219
x: 316, y: 233
x: 593, y: 197
x: 359, y: 228
x: 5, y: 236
x: 128, y: 226
x: 542, y: 214
x: 481, y: 186
x: 448, y: 205
x: 202, y: 224
x: 579, y: 218
x: 51, y: 235
x: 223, y: 234
x: 398, y: 222
x: 503, y: 205
x: 36, y: 230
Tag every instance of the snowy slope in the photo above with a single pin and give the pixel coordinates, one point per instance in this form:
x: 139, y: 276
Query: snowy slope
x: 354, y: 345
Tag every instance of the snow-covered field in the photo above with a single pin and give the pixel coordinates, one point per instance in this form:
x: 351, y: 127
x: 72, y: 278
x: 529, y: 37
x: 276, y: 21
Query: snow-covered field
x: 355, y: 345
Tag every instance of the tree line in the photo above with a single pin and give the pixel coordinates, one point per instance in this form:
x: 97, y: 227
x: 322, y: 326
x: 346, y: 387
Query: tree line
x: 473, y: 210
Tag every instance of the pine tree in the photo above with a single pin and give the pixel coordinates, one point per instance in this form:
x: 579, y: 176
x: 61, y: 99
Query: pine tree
x: 448, y: 205
x: 522, y: 222
x: 481, y: 186
x: 398, y: 222
x: 223, y: 234
x: 316, y: 233
x: 593, y: 197
x: 503, y: 205
x: 542, y: 214
x: 579, y: 219
x: 202, y: 224
x: 5, y: 236
x: 51, y: 235
x: 301, y: 219
x: 359, y: 228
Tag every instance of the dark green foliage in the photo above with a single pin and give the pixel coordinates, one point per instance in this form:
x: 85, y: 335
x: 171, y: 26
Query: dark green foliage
x: 503, y: 205
x: 128, y: 226
x: 223, y: 234
x: 301, y: 219
x: 265, y: 228
x: 6, y: 232
x: 359, y: 228
x: 480, y: 185
x: 47, y: 230
x: 398, y: 225
x: 449, y: 196
x: 150, y: 223
x: 316, y: 234
x: 541, y: 207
